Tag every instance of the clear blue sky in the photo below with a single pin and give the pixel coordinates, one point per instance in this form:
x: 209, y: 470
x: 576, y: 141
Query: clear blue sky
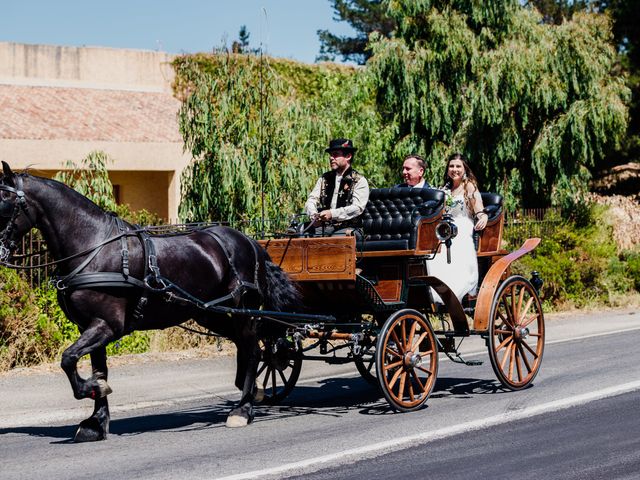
x: 286, y: 28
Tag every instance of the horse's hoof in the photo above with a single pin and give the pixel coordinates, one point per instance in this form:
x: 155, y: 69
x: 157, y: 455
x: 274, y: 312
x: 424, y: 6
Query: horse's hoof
x: 259, y: 397
x: 103, y: 388
x: 90, y: 431
x: 236, y: 421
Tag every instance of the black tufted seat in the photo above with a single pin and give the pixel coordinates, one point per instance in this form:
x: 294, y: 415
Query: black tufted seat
x: 391, y: 217
x: 492, y: 205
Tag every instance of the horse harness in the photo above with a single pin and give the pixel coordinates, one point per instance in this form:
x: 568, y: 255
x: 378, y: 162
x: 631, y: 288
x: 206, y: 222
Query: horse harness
x: 152, y: 282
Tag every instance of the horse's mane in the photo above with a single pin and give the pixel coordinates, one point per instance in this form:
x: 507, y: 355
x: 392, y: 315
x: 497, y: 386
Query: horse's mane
x: 62, y: 187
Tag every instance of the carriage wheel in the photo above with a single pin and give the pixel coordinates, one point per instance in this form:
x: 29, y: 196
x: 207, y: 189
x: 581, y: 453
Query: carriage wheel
x: 277, y: 372
x: 516, y: 333
x: 407, y: 360
x: 366, y: 362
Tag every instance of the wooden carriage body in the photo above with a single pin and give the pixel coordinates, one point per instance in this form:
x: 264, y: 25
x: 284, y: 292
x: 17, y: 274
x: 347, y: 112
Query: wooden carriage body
x: 385, y: 269
x: 383, y: 276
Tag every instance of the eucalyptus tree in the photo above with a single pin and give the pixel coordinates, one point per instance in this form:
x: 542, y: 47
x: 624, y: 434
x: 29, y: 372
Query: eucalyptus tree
x: 532, y: 104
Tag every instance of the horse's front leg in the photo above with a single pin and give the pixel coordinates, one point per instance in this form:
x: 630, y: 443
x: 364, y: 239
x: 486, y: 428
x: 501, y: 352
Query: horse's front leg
x: 92, y: 341
x: 248, y: 359
x: 96, y: 427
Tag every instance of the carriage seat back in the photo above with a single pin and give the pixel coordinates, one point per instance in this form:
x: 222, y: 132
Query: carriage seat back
x: 491, y: 237
x: 492, y: 205
x: 392, y: 215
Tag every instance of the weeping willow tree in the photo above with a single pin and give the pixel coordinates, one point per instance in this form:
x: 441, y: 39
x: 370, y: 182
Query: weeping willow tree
x: 257, y: 128
x: 531, y: 104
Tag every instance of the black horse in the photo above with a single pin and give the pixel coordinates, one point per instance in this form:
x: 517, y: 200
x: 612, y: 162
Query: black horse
x: 114, y: 278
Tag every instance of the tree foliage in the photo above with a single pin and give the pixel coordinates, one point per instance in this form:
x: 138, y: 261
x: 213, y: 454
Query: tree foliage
x: 533, y: 105
x: 91, y: 179
x: 257, y: 128
x: 365, y: 16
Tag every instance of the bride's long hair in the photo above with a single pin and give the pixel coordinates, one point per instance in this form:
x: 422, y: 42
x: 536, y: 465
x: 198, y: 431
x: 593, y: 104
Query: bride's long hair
x: 468, y: 179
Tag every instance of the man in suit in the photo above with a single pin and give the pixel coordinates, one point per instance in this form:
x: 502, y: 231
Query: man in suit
x: 413, y: 169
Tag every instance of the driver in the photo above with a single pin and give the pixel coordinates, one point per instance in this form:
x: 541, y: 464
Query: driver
x: 340, y: 195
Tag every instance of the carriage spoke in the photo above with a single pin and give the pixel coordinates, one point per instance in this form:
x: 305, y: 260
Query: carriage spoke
x: 412, y: 334
x: 403, y: 329
x: 396, y: 339
x: 394, y: 379
x: 504, y: 343
x: 401, y: 388
x: 417, y: 379
x: 261, y: 369
x: 530, y: 320
x: 520, y: 300
x: 411, y: 394
x: 426, y: 354
x: 425, y: 370
x: 526, y: 345
x: 525, y: 311
x: 505, y: 357
x: 511, y: 360
x: 266, y: 378
x: 516, y: 356
x: 273, y: 380
x: 390, y: 351
x: 282, y: 377
x: 524, y: 359
x: 393, y: 365
x: 509, y: 320
x: 416, y: 345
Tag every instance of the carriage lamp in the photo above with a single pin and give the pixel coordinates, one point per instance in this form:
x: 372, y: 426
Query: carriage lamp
x: 446, y: 230
x: 536, y: 281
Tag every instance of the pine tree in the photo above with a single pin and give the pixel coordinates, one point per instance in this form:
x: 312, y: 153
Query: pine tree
x: 365, y: 16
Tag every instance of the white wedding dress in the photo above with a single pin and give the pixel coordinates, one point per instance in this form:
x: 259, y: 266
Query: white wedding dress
x: 461, y: 275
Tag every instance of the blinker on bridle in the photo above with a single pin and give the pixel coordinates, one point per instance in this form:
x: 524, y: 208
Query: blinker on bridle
x: 7, y: 244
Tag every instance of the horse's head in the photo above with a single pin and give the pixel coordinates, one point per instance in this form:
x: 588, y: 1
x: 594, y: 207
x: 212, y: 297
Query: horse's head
x: 14, y: 219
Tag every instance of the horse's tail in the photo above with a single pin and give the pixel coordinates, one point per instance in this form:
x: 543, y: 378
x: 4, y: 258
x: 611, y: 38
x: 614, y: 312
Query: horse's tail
x: 281, y: 294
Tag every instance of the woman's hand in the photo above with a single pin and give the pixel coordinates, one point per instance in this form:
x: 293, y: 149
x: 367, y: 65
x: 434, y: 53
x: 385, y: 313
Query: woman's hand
x: 481, y: 221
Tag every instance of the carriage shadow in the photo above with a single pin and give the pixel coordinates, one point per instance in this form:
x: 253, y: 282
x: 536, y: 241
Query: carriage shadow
x: 333, y: 397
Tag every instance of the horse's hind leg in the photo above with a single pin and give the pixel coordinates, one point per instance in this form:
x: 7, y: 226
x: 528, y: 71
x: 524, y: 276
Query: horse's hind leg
x: 92, y: 341
x: 248, y: 358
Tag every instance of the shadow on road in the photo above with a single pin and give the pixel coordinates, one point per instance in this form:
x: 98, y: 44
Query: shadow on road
x: 333, y: 397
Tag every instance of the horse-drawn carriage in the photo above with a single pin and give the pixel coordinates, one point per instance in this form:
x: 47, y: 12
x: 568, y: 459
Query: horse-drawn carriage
x: 368, y: 298
x: 377, y: 289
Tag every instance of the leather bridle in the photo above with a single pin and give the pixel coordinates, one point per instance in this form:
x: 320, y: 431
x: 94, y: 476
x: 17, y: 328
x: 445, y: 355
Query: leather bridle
x: 7, y: 244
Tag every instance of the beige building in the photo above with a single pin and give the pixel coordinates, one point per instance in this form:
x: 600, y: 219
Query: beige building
x: 61, y: 103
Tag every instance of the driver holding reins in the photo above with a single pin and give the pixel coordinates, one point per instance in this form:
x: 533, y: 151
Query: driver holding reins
x: 340, y: 195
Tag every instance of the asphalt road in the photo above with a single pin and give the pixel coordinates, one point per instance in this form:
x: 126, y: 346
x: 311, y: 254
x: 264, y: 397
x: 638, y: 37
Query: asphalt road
x: 579, y: 420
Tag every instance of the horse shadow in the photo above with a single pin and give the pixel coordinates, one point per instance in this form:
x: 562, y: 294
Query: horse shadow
x: 332, y: 397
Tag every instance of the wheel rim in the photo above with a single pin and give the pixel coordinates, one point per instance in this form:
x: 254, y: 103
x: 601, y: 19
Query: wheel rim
x: 277, y: 372
x: 516, y: 333
x: 407, y: 360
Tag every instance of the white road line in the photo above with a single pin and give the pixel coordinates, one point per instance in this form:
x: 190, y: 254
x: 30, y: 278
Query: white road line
x: 377, y: 449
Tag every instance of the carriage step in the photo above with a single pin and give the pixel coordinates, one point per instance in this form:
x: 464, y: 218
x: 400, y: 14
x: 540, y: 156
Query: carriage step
x: 460, y: 359
x: 473, y: 363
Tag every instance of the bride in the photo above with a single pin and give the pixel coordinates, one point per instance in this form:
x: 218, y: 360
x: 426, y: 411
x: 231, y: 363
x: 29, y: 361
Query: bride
x: 464, y: 204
